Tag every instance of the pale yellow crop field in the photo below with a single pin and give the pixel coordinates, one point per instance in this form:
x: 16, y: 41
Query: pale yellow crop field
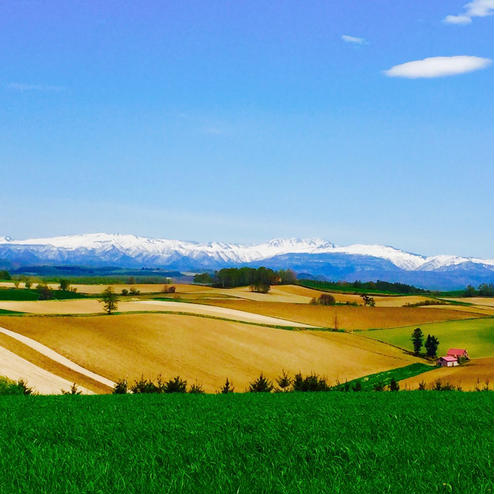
x: 470, y: 375
x: 206, y: 350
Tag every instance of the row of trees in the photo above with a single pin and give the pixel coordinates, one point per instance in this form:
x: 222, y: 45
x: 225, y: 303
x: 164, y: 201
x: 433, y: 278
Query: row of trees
x: 283, y: 384
x: 431, y: 343
x: 259, y: 279
x: 484, y: 290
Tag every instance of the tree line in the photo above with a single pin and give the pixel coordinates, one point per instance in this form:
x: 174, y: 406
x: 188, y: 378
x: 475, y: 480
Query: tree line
x: 259, y: 279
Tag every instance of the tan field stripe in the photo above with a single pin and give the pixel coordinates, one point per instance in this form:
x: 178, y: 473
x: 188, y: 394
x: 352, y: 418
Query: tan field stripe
x: 43, y: 381
x: 42, y: 361
x: 48, y: 352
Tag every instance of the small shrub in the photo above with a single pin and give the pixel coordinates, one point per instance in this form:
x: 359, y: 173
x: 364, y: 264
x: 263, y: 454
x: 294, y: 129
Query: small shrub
x: 121, y: 387
x: 261, y: 385
x: 394, y: 385
x: 45, y: 292
x: 175, y: 385
x: 74, y: 390
x: 125, y: 292
x: 326, y: 299
x: 134, y: 291
x: 143, y: 385
x: 227, y: 388
x: 196, y: 389
x: 357, y: 386
x: 284, y: 382
x: 422, y: 386
x: 379, y: 386
x: 9, y: 387
x: 312, y: 382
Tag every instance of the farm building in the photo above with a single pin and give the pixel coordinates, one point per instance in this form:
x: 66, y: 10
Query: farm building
x: 458, y: 353
x: 448, y: 361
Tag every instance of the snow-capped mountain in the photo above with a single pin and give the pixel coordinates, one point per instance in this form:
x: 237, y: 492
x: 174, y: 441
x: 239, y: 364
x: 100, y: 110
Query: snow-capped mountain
x: 314, y: 257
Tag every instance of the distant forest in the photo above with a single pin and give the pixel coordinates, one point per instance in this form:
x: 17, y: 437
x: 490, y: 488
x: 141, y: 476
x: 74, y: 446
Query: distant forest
x: 259, y: 279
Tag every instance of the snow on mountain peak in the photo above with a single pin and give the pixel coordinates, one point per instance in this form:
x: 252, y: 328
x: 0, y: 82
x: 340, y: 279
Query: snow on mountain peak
x: 161, y: 251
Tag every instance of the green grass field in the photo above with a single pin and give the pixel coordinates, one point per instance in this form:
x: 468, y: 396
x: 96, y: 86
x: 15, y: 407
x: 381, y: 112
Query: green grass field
x: 476, y: 335
x: 414, y: 442
x: 368, y: 382
x: 21, y: 294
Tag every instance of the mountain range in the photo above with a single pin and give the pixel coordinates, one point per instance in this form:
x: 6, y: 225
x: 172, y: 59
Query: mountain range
x: 314, y: 258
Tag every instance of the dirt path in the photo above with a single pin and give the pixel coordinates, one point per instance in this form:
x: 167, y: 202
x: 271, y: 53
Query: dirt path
x: 212, y: 310
x: 48, y: 352
x: 44, y: 382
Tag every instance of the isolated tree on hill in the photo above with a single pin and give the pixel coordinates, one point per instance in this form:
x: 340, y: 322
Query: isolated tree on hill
x: 27, y: 284
x: 64, y: 285
x: 368, y: 300
x: 431, y: 344
x: 417, y: 340
x: 109, y: 299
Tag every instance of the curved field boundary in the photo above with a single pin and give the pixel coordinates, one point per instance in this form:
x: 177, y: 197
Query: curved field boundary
x: 48, y: 352
x: 43, y: 381
x: 224, y: 312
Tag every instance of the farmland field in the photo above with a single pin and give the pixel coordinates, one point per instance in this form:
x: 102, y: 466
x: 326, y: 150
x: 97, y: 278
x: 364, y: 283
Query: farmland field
x: 347, y: 317
x: 202, y: 349
x: 476, y: 335
x: 351, y: 443
x: 477, y: 373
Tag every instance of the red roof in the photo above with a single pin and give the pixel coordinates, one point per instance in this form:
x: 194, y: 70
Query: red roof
x: 457, y: 352
x: 448, y: 358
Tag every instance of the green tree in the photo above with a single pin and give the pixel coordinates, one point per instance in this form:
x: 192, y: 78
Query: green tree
x: 368, y: 300
x: 227, y: 388
x: 326, y: 299
x: 121, y: 387
x: 27, y: 283
x: 431, y: 344
x: 394, y: 385
x: 417, y: 340
x: 5, y: 275
x: 109, y: 299
x: 284, y: 381
x: 64, y: 285
x: 261, y: 385
x: 175, y: 385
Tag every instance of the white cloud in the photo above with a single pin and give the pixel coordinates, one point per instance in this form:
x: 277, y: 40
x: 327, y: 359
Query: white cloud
x: 438, y: 67
x: 353, y: 39
x: 21, y: 86
x: 475, y: 8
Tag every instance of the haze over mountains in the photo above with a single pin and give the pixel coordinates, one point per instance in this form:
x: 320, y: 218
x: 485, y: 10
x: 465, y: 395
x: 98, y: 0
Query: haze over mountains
x: 308, y: 257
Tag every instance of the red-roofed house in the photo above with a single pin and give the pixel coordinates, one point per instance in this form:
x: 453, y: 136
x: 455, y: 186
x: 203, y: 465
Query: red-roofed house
x: 448, y: 361
x: 458, y: 353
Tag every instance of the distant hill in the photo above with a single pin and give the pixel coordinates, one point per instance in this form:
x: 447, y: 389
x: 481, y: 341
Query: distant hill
x: 313, y: 257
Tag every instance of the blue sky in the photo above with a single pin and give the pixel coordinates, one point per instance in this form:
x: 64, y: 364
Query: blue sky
x: 248, y: 120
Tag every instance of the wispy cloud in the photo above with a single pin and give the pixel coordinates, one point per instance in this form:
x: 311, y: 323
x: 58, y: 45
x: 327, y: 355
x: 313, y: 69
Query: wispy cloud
x: 353, y: 39
x: 476, y: 8
x: 438, y: 67
x: 22, y: 86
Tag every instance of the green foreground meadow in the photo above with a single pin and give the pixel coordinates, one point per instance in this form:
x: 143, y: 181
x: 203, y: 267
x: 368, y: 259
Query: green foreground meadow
x: 414, y: 442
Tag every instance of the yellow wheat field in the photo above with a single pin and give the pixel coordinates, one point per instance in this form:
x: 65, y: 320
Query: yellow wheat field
x: 206, y: 350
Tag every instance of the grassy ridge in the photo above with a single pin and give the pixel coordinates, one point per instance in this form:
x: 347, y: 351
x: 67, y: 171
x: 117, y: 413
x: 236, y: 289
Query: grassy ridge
x: 284, y: 443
